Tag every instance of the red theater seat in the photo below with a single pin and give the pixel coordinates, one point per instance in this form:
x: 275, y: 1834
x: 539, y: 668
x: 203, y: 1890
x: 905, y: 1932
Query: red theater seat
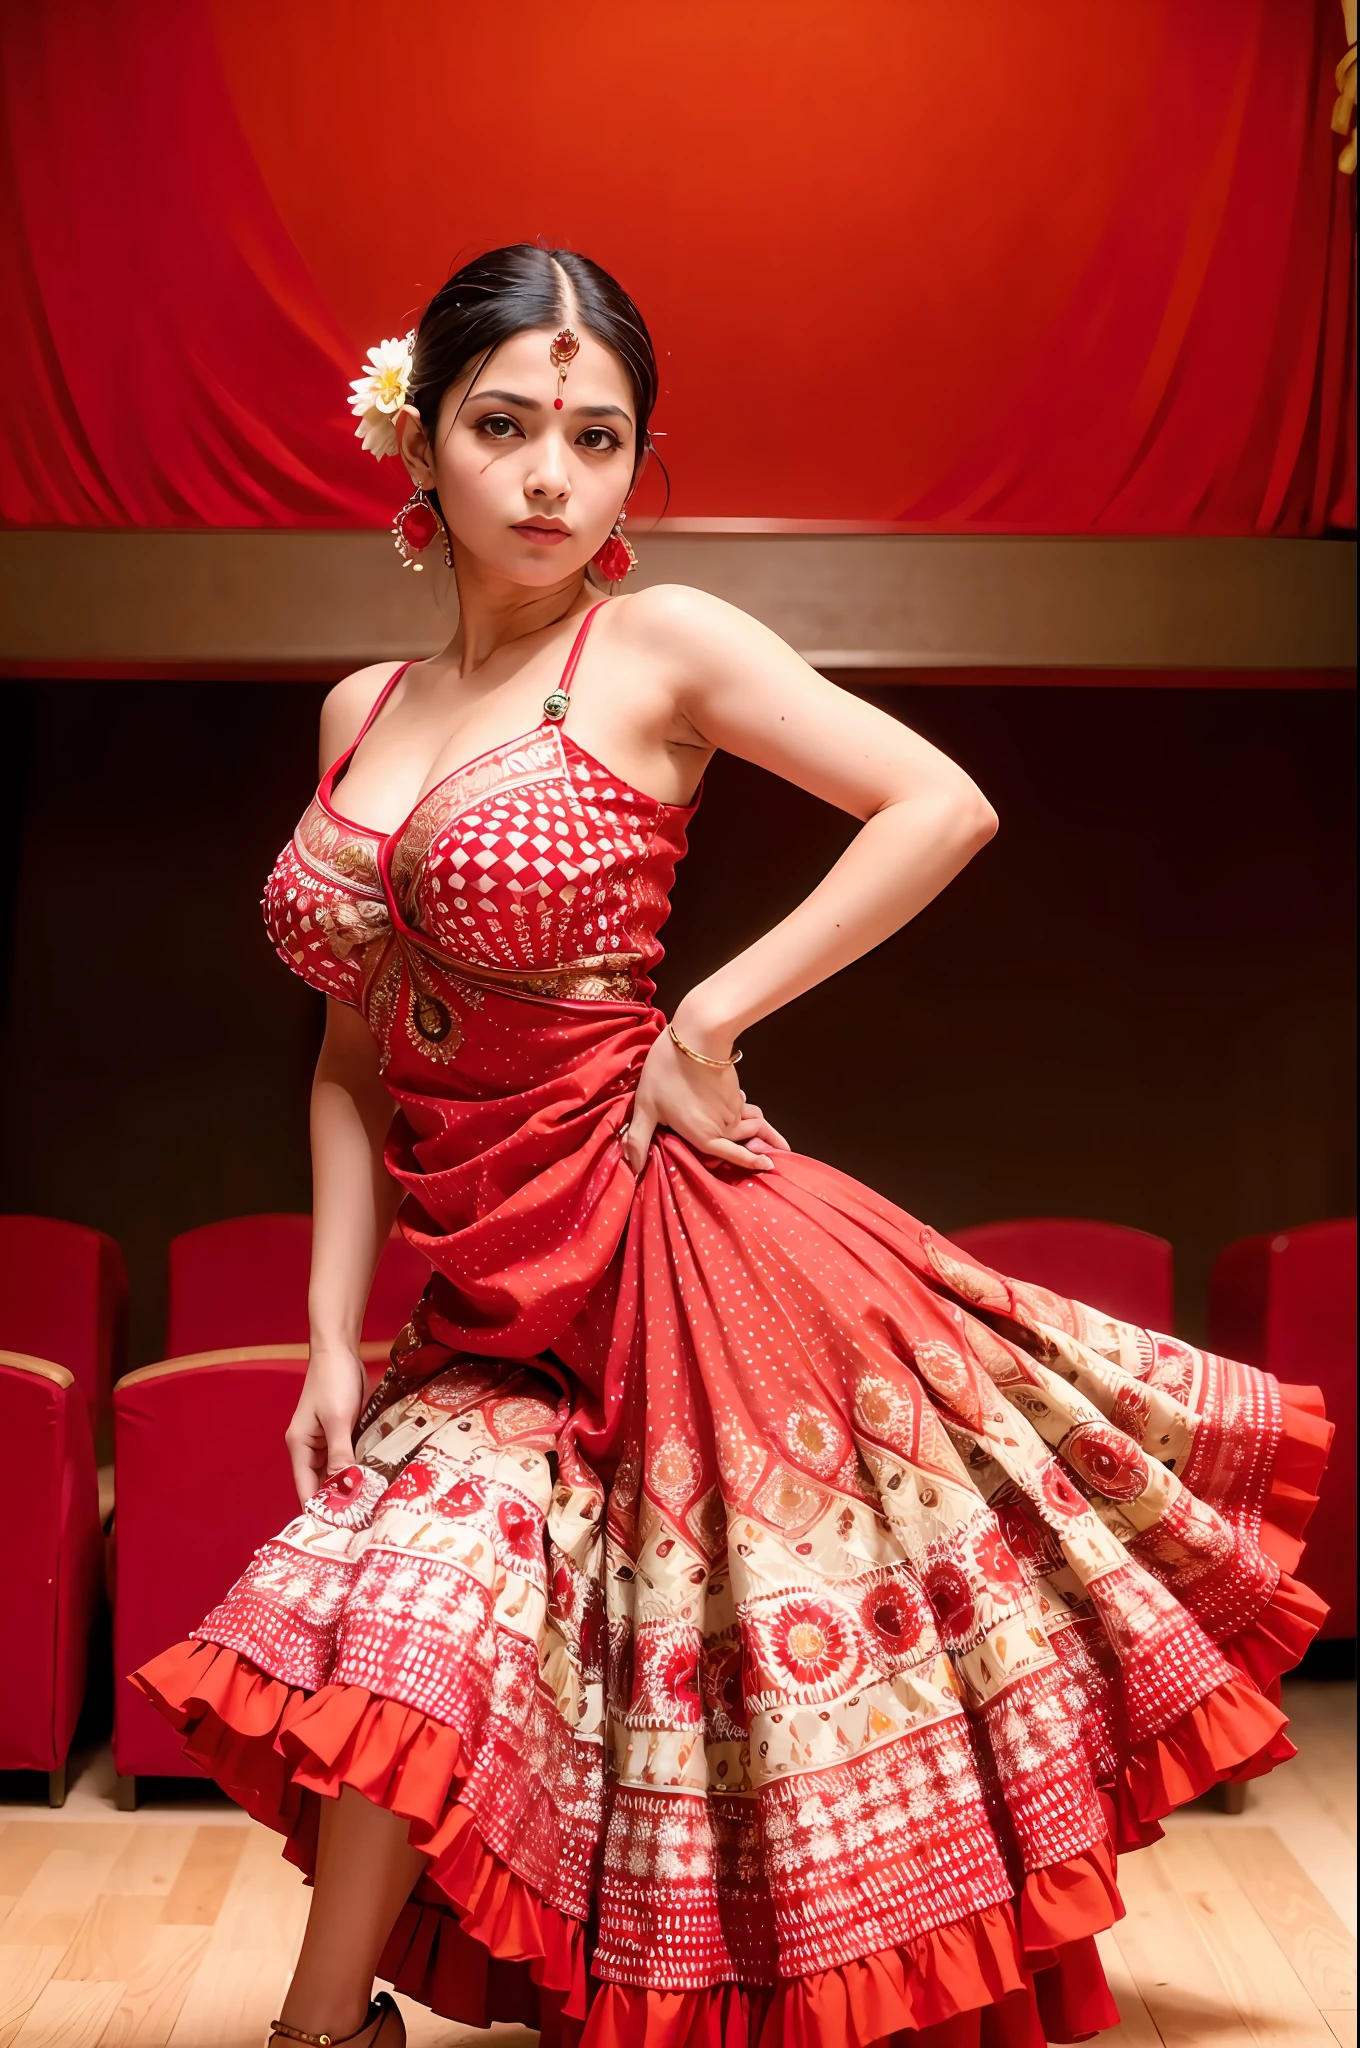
x: 202, y: 1480
x: 244, y: 1281
x: 1286, y: 1301
x: 63, y: 1296
x: 53, y: 1571
x: 1128, y: 1273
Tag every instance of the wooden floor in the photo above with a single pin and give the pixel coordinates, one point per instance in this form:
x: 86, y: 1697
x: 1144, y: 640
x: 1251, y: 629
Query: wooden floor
x: 175, y: 1927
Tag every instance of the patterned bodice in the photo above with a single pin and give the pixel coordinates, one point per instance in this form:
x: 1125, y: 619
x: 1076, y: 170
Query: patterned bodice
x: 530, y: 866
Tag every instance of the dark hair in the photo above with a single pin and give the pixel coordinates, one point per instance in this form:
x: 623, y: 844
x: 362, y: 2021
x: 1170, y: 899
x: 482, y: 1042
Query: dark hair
x: 508, y: 290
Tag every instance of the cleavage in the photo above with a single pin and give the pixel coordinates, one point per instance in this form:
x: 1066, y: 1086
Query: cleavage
x: 376, y: 798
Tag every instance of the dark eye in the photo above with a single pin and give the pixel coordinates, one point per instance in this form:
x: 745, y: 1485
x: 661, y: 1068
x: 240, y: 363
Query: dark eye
x: 497, y: 426
x: 597, y: 439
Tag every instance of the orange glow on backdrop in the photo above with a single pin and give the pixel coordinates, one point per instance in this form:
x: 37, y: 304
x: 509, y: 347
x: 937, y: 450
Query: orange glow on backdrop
x: 827, y: 214
x: 996, y: 268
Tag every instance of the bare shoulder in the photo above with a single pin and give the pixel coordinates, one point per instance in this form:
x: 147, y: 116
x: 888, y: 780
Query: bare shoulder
x: 699, y: 645
x: 693, y: 623
x: 347, y: 706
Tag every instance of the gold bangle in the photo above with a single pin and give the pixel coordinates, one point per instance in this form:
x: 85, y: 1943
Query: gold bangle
x: 703, y: 1058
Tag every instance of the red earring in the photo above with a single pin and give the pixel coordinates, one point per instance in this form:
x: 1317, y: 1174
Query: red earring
x: 615, y: 559
x: 414, y: 527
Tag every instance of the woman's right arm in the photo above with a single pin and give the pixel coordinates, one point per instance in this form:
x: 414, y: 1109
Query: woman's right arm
x: 354, y: 1200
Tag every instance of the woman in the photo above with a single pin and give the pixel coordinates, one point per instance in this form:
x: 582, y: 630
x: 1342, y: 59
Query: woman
x: 741, y: 1617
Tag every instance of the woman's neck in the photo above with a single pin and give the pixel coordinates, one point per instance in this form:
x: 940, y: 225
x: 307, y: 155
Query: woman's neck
x: 492, y: 612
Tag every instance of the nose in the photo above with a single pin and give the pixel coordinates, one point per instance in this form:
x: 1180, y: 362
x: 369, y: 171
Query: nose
x: 548, y: 480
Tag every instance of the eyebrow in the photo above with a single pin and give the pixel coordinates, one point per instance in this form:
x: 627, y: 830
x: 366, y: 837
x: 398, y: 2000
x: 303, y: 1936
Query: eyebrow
x: 594, y: 412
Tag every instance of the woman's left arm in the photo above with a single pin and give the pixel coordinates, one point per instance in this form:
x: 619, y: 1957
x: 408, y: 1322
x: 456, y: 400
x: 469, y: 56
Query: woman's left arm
x: 741, y: 688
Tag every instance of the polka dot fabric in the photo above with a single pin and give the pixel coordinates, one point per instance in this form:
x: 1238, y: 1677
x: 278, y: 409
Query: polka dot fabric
x: 770, y: 1622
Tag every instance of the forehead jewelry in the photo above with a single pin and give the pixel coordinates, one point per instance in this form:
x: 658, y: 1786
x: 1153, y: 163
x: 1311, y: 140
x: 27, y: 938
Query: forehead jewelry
x: 562, y: 349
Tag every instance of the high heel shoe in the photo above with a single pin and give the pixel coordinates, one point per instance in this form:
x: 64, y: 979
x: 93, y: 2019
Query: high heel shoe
x: 390, y: 2032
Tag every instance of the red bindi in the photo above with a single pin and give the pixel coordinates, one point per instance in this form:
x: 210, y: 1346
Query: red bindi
x: 557, y: 404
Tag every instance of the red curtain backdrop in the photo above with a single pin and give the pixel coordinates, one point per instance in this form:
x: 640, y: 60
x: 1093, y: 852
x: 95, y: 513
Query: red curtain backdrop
x: 1020, y: 268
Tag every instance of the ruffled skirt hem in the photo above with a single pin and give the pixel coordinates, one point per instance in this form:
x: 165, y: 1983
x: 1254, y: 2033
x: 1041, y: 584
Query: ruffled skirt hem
x: 1296, y: 1473
x: 478, y: 1944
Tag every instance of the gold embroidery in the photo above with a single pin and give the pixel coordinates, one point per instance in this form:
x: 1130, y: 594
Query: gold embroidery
x: 381, y: 990
x: 402, y: 971
x: 355, y: 860
x: 337, y: 852
x: 348, y: 924
x: 431, y: 1024
x: 579, y: 982
x: 432, y: 1027
x: 508, y: 767
x: 599, y: 977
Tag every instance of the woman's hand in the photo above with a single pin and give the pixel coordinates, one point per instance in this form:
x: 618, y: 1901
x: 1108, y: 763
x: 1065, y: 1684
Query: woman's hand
x: 703, y: 1105
x: 320, y: 1437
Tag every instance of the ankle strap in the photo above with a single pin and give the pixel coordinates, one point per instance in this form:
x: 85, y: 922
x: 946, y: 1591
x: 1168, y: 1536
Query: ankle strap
x: 381, y: 2005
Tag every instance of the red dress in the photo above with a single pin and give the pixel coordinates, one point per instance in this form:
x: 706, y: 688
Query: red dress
x: 770, y: 1620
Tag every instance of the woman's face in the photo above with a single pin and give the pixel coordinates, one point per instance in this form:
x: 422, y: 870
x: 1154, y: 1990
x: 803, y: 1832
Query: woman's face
x: 530, y: 490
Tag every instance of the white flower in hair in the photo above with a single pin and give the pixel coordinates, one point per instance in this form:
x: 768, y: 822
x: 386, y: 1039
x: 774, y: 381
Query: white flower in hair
x: 380, y: 394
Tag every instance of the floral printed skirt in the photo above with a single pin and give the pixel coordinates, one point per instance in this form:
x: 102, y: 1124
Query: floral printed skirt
x: 786, y: 1658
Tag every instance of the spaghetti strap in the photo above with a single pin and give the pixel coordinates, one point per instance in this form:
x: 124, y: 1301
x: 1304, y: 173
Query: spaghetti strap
x: 378, y: 702
x: 342, y: 761
x: 577, y: 645
x: 558, y: 701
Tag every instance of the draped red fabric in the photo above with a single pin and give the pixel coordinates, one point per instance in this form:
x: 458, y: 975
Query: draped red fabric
x: 177, y: 364
x: 1216, y: 402
x: 1034, y: 270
